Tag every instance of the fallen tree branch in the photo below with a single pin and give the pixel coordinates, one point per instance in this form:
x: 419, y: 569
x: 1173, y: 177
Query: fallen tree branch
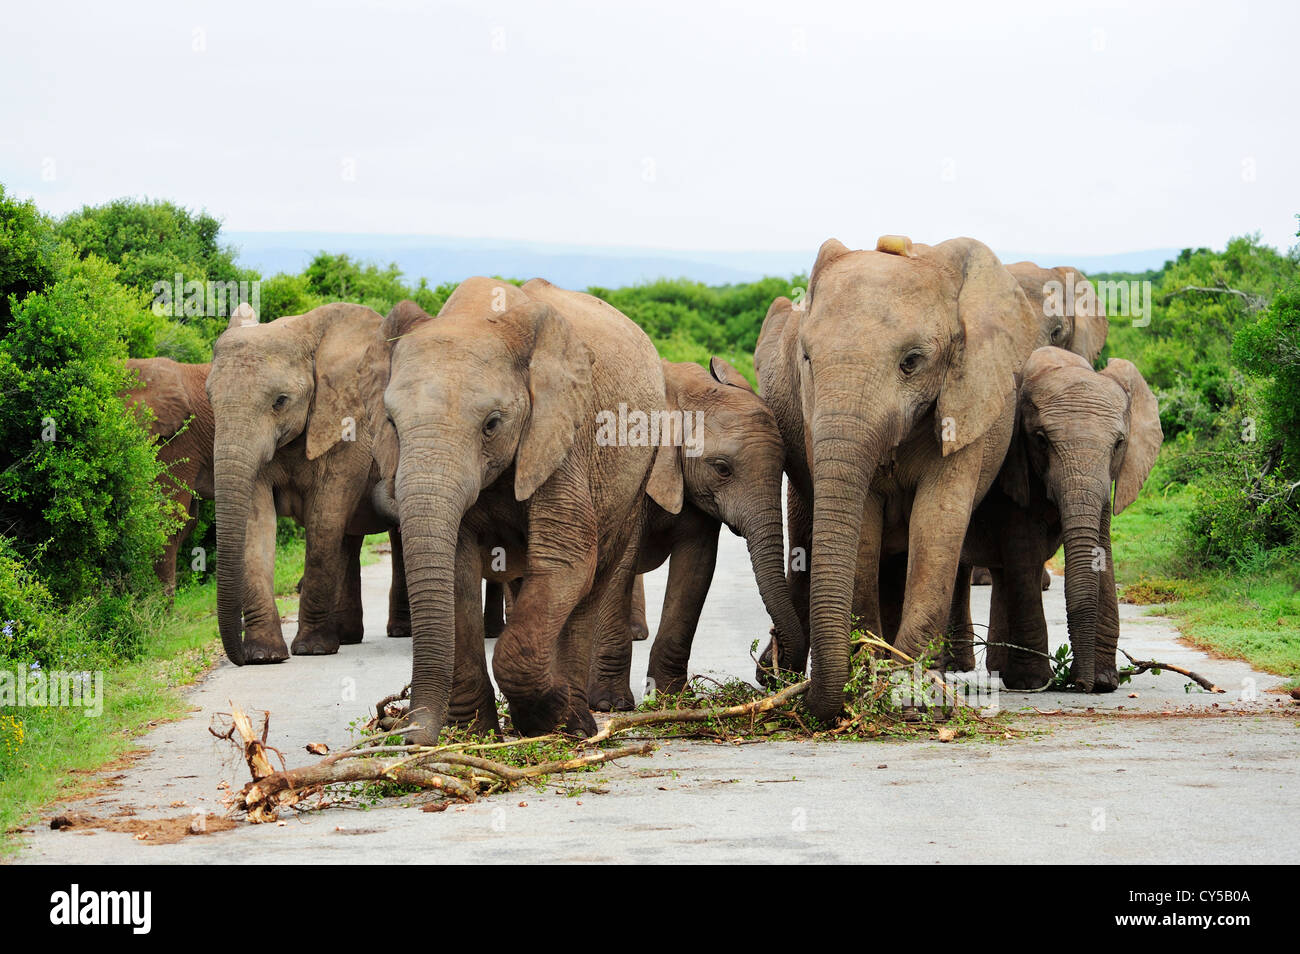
x: 1143, y: 665
x: 639, y: 719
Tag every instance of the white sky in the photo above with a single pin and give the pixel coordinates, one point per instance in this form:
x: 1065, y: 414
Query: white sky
x: 1067, y: 128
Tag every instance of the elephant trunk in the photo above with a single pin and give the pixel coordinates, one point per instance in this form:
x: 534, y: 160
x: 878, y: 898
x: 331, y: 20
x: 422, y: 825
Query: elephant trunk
x: 767, y: 556
x: 234, y: 488
x: 843, y: 463
x: 1081, y: 506
x: 431, y: 507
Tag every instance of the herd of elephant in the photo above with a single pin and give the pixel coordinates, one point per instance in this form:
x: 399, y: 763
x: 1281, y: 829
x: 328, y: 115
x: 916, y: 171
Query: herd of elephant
x: 930, y: 409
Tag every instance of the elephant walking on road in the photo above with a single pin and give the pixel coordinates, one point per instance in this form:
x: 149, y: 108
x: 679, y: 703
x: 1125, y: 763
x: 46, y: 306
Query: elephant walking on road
x: 1078, y: 433
x: 898, y: 384
x: 733, y: 477
x: 499, y: 450
x: 293, y: 438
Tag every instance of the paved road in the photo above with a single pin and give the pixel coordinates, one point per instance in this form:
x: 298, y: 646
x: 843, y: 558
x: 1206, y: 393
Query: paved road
x: 1160, y: 789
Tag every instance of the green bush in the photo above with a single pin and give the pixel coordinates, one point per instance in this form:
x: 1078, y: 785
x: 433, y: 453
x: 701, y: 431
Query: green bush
x: 30, y: 253
x: 77, y: 472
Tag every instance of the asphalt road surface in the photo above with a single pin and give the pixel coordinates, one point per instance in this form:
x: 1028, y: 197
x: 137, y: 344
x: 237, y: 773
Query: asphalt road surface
x: 1185, y: 777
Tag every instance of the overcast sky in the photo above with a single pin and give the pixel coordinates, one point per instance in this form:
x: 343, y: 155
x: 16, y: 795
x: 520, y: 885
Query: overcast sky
x: 1065, y: 128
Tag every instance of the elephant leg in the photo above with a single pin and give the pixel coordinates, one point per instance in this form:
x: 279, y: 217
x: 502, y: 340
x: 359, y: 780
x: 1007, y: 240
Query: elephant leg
x: 1027, y: 665
x: 609, y: 682
x: 319, y: 625
x: 959, y: 650
x: 636, y: 623
x: 941, y: 513
x: 494, y: 609
x: 473, y: 703
x: 165, y: 568
x: 562, y: 557
x: 1106, y: 677
x: 867, y: 609
x: 995, y: 643
x: 690, y: 573
x: 399, y: 606
x: 351, y: 627
x: 263, y: 637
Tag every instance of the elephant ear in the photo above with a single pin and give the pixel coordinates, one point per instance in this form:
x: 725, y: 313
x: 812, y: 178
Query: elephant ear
x: 163, y: 391
x: 667, y: 483
x: 831, y: 250
x: 1090, y: 323
x: 724, y: 373
x: 559, y: 382
x: 243, y: 315
x: 404, y: 316
x: 769, y: 336
x: 996, y: 330
x: 1144, y: 433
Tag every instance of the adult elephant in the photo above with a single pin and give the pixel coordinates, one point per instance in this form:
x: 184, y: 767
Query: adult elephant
x: 903, y: 370
x: 182, y: 423
x: 499, y: 408
x: 1079, y: 432
x: 293, y: 437
x: 1070, y: 314
x: 731, y: 473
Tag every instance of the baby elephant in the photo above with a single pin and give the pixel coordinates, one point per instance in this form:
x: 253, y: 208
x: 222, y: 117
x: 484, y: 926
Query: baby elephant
x: 1077, y: 432
x: 731, y: 462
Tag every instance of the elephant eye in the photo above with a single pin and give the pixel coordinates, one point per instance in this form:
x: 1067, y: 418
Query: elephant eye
x: 1057, y: 333
x: 280, y: 402
x: 1041, y: 438
x: 910, y: 362
x: 722, y: 467
x: 491, y: 424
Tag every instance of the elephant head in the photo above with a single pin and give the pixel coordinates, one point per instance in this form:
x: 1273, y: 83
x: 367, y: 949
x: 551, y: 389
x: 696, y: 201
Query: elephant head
x: 1079, y: 432
x: 1072, y: 316
x: 733, y: 474
x: 894, y: 340
x: 270, y: 385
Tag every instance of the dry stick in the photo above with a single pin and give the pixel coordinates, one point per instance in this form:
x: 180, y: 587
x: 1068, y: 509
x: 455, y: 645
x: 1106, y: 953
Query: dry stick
x: 638, y: 719
x: 254, y: 750
x: 1142, y: 665
x: 285, y: 788
x: 511, y: 773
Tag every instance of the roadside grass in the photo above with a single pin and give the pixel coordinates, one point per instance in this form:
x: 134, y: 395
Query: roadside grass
x: 62, y: 749
x: 1251, y: 612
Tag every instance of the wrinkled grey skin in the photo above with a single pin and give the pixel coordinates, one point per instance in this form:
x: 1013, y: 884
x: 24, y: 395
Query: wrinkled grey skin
x: 493, y: 444
x: 282, y: 395
x: 1078, y: 433
x: 902, y: 370
x: 734, y: 480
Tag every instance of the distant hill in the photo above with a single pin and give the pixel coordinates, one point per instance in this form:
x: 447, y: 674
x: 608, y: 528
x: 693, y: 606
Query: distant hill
x: 442, y: 259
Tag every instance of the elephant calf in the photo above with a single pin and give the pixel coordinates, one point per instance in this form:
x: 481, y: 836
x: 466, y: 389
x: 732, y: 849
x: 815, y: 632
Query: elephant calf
x: 1077, y: 432
x: 733, y: 477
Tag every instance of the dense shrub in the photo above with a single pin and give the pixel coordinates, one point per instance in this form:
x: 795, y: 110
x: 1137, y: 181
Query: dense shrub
x: 77, y: 472
x: 30, y: 253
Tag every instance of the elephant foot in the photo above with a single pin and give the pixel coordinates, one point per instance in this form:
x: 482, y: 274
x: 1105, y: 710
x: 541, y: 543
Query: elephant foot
x: 350, y: 637
x: 1107, y: 680
x: 258, y: 651
x: 791, y: 669
x: 315, y: 643
x: 493, y: 626
x: 399, y: 630
x: 980, y: 576
x: 482, y: 721
x: 667, y: 681
x: 610, y: 696
x: 542, y: 713
x: 1047, y: 579
x: 959, y: 657
x: 579, y: 723
x: 422, y: 729
x: 638, y: 631
x: 1033, y: 676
